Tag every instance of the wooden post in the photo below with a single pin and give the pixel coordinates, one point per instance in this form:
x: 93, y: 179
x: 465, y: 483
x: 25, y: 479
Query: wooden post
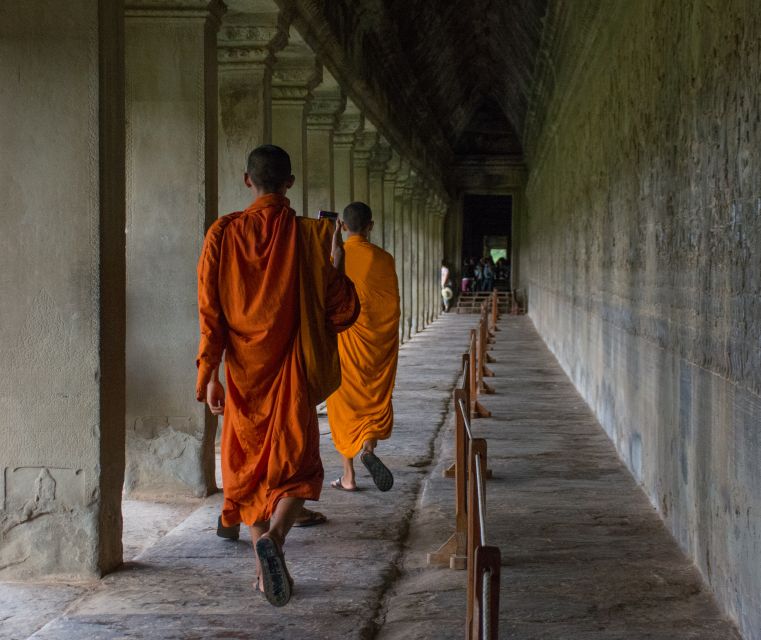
x: 486, y: 559
x: 477, y: 448
x: 494, y: 310
x: 477, y: 410
x: 453, y: 551
x: 483, y: 353
x: 482, y: 369
x: 449, y: 472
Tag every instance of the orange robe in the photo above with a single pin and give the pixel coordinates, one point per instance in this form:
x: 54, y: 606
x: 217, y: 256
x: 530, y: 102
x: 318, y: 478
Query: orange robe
x: 248, y: 299
x: 361, y: 408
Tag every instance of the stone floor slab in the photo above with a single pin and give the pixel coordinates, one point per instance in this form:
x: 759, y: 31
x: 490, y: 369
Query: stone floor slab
x: 584, y: 554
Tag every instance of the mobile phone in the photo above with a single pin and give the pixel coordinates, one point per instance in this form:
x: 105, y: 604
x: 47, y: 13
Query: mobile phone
x: 327, y: 215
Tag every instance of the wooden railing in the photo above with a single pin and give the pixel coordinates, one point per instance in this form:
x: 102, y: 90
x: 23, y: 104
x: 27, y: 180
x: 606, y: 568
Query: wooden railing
x: 467, y: 546
x: 483, y: 560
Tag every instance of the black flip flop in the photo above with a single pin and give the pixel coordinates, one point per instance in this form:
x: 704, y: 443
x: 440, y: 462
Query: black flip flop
x: 382, y: 477
x: 278, y: 585
x: 229, y: 533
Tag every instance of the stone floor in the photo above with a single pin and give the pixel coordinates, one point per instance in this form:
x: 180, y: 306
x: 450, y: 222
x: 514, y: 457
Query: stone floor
x: 584, y: 554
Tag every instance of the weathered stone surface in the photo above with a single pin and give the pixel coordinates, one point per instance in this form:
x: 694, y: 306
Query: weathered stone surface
x: 642, y: 257
x: 62, y: 287
x: 583, y: 553
x: 191, y: 584
x: 171, y: 198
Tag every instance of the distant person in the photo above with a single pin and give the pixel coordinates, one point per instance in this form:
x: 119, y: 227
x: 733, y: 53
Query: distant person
x: 360, y: 412
x: 265, y: 278
x: 488, y: 276
x: 467, y: 276
x: 478, y: 275
x: 446, y: 287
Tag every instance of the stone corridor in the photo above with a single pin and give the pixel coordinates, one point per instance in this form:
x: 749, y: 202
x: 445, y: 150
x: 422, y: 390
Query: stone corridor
x: 584, y: 554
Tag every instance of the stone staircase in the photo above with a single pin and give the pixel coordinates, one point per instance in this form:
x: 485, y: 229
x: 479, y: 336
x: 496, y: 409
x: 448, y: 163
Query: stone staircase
x: 471, y: 302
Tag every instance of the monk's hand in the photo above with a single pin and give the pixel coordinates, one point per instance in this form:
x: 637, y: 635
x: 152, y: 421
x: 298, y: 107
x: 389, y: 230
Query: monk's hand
x: 338, y: 248
x: 215, y: 397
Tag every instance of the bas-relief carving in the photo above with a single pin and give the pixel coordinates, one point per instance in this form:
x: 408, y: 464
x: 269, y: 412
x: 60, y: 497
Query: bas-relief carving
x: 246, y: 41
x: 151, y: 426
x: 34, y: 491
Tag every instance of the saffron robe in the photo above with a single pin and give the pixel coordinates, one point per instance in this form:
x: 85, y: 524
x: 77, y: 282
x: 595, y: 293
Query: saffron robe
x: 362, y: 409
x: 248, y: 300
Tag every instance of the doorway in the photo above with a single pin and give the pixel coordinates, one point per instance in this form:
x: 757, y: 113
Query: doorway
x: 487, y: 233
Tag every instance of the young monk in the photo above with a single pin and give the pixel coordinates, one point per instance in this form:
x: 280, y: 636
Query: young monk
x: 360, y: 412
x: 250, y: 301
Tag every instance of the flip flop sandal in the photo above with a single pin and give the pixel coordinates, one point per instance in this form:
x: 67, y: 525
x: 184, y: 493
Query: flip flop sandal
x: 338, y: 484
x: 278, y: 584
x: 382, y: 477
x: 313, y: 518
x: 229, y: 533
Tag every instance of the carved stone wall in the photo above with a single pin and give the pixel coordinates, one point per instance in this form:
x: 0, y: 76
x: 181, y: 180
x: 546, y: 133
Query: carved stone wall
x: 643, y: 258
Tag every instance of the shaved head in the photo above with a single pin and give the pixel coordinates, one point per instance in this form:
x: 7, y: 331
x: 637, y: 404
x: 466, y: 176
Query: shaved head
x: 357, y: 216
x: 269, y: 167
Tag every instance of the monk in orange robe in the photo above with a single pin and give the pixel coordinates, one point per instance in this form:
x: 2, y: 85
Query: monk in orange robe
x: 251, y: 307
x: 360, y: 412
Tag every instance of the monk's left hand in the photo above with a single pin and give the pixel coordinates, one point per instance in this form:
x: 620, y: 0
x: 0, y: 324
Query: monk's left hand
x: 215, y: 397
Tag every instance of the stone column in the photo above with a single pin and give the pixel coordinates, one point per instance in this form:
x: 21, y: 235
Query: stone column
x: 62, y: 285
x: 171, y: 159
x: 379, y: 158
x: 433, y: 274
x: 438, y: 251
x: 437, y: 257
x: 360, y: 158
x: 245, y: 45
x: 327, y: 102
x: 418, y: 257
x: 408, y: 231
x: 349, y: 124
x: 401, y: 214
x: 389, y: 202
x: 295, y: 73
x: 439, y: 228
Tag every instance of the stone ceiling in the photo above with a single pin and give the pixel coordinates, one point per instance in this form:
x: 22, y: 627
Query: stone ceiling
x: 454, y: 76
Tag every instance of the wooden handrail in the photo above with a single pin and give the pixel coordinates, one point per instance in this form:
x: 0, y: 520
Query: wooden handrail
x: 467, y: 547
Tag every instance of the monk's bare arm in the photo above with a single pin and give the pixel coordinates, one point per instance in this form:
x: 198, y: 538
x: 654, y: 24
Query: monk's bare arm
x: 210, y: 316
x: 337, y: 250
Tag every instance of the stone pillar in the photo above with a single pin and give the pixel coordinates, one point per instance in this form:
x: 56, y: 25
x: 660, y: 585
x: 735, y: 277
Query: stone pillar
x: 436, y: 230
x: 295, y: 73
x: 349, y: 124
x: 433, y: 275
x: 171, y: 159
x: 245, y: 45
x: 401, y: 213
x: 418, y: 257
x: 327, y: 102
x: 389, y: 202
x: 438, y: 249
x: 408, y: 247
x: 62, y: 285
x: 379, y: 158
x: 427, y: 280
x: 360, y: 158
